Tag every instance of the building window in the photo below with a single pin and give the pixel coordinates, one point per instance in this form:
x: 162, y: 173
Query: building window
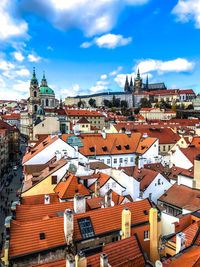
x: 168, y: 147
x: 35, y: 108
x: 102, y: 160
x: 131, y: 159
x: 120, y: 160
x: 150, y: 195
x: 146, y: 235
x: 54, y: 179
x: 159, y: 148
x: 163, y: 148
x: 115, y: 160
x: 43, y: 125
x: 108, y: 161
x: 158, y: 181
x: 47, y: 102
x: 35, y: 94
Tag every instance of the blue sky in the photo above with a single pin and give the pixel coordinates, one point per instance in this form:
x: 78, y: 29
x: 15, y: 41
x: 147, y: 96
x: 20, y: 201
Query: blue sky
x: 87, y: 46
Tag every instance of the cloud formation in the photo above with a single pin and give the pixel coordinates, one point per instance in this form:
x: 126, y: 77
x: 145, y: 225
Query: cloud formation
x: 18, y: 56
x: 10, y: 26
x: 176, y: 65
x: 33, y: 58
x: 109, y: 40
x: 92, y: 17
x: 188, y: 10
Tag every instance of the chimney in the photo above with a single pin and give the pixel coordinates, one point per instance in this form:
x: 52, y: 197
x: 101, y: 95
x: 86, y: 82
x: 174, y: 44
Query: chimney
x: 108, y: 198
x: 81, y: 260
x: 96, y: 170
x: 180, y: 242
x: 102, y: 203
x: 46, y: 199
x: 140, y: 163
x: 154, y: 235
x: 58, y: 155
x: 68, y: 226
x: 103, y: 260
x: 196, y: 180
x: 70, y: 261
x: 103, y: 134
x: 79, y: 204
x: 126, y: 223
x: 13, y: 209
x: 97, y: 189
x: 7, y: 225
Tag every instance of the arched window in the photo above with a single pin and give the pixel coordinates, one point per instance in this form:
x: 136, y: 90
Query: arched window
x: 47, y: 102
x: 35, y: 94
x: 35, y: 108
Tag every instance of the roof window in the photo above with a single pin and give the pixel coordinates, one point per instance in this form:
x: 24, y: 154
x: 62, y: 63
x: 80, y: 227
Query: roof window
x: 86, y: 227
x: 119, y: 147
x: 105, y: 148
x: 42, y: 236
x: 127, y: 147
x: 145, y: 212
x: 92, y: 149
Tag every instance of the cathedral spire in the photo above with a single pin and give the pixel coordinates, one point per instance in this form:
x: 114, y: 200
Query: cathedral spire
x: 131, y: 85
x: 138, y: 75
x: 44, y: 80
x: 147, y: 82
x: 34, y: 79
x: 126, y: 86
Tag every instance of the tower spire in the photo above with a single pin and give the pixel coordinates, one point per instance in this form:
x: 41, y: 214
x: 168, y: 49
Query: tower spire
x: 126, y: 86
x: 44, y: 80
x: 147, y: 83
x: 34, y: 79
x: 138, y: 74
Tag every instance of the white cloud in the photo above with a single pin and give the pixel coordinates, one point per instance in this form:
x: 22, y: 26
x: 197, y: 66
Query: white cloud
x: 33, y: 58
x: 50, y: 48
x: 109, y: 40
x: 23, y: 72
x: 76, y: 87
x: 21, y: 86
x: 97, y: 88
x: 176, y: 65
x: 5, y: 65
x: 9, y: 26
x: 18, y: 56
x: 92, y: 17
x: 104, y: 77
x: 115, y: 72
x: 188, y: 10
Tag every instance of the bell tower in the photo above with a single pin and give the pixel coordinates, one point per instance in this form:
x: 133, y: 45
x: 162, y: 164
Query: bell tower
x: 138, y: 83
x: 34, y: 101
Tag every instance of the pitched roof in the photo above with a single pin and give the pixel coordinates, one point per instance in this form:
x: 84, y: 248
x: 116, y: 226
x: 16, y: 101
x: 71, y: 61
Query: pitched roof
x: 191, y: 153
x: 39, y: 199
x: 34, y: 151
x: 83, y: 120
x: 98, y: 165
x: 25, y: 236
x: 69, y: 187
x: 182, y: 196
x: 83, y: 112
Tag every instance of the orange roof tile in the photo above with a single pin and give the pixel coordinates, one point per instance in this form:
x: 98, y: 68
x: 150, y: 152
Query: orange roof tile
x: 70, y: 187
x: 95, y: 144
x: 191, y: 153
x: 39, y: 199
x: 83, y: 112
x: 182, y: 196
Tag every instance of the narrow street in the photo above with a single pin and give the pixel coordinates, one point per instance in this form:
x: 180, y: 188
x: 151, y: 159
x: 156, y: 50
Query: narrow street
x: 8, y: 193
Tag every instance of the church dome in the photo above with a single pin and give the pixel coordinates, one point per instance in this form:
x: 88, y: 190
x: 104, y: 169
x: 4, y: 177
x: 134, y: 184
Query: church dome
x: 46, y: 90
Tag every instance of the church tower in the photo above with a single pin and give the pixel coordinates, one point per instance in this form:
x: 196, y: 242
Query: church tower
x: 34, y: 100
x: 138, y: 83
x: 126, y: 86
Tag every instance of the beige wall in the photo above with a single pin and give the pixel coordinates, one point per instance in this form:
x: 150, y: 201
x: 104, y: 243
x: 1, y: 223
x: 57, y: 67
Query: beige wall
x: 49, y: 125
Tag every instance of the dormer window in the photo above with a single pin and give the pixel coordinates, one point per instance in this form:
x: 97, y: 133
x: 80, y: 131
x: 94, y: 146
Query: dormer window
x: 105, y: 148
x: 127, y: 147
x: 92, y: 149
x: 119, y: 147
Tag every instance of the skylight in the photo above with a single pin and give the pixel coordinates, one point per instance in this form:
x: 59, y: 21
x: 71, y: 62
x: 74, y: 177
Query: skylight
x: 86, y: 228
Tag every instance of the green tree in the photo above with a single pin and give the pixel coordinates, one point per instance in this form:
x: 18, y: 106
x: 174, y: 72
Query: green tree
x: 107, y: 103
x: 92, y: 102
x: 190, y: 106
x: 145, y: 103
x: 124, y: 104
x: 80, y: 104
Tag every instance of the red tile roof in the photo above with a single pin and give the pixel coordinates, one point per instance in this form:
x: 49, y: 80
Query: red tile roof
x: 83, y: 112
x: 182, y: 196
x: 70, y: 187
x: 191, y: 153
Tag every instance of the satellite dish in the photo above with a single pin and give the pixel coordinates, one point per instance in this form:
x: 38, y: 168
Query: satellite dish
x: 72, y: 168
x: 158, y: 264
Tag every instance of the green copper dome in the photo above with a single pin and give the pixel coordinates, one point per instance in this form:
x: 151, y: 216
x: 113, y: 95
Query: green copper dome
x: 46, y: 90
x: 41, y: 111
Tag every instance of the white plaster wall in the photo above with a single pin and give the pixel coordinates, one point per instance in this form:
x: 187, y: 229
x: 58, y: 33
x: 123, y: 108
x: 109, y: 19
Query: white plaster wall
x: 157, y: 190
x: 61, y: 172
x: 49, y: 152
x: 129, y: 163
x: 167, y: 223
x: 184, y: 211
x: 184, y: 180
x: 180, y: 160
x: 151, y: 153
x: 111, y: 184
x: 132, y: 186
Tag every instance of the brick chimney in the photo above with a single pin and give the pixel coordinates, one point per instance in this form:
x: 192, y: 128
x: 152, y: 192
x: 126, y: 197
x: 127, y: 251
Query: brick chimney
x: 97, y: 189
x: 68, y: 226
x: 70, y: 261
x: 79, y: 204
x: 126, y: 223
x: 108, y: 198
x: 81, y: 260
x: 103, y: 260
x: 180, y: 242
x: 196, y: 180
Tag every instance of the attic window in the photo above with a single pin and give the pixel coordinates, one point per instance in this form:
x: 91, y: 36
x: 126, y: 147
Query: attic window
x: 44, y: 143
x: 104, y: 148
x: 198, y: 196
x: 127, y: 147
x: 42, y: 236
x: 143, y: 147
x: 33, y: 151
x: 92, y: 149
x: 145, y: 212
x: 76, y: 191
x: 119, y: 147
x: 165, y: 194
x: 86, y: 227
